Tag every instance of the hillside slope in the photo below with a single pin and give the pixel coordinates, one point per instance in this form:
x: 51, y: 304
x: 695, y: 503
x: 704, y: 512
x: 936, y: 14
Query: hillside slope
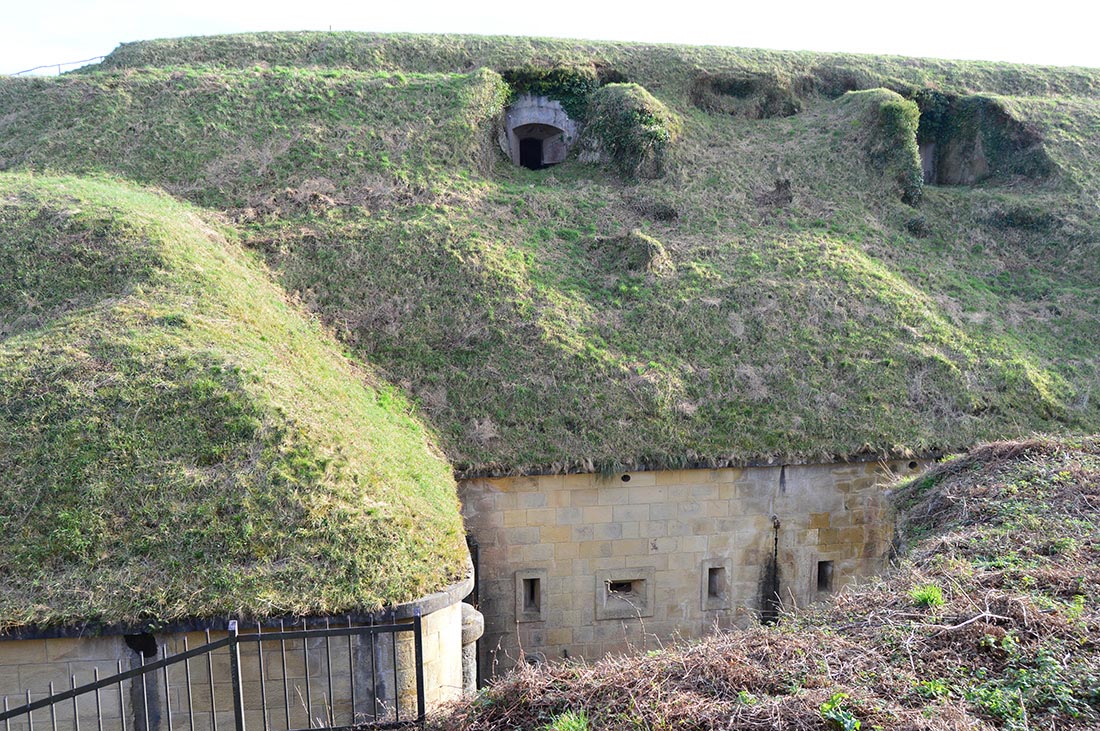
x: 771, y: 297
x: 649, y: 64
x: 178, y: 442
x: 987, y: 621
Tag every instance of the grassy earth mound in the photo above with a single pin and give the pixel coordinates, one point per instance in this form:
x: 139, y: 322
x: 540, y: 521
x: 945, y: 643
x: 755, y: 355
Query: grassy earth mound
x: 988, y: 621
x: 802, y: 309
x: 671, y: 68
x: 177, y: 441
x: 233, y: 138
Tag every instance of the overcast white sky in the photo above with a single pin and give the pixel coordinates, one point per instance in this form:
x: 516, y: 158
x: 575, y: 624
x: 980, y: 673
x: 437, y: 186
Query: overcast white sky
x: 1056, y: 32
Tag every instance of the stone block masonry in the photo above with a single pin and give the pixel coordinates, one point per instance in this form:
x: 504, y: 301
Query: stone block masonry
x: 582, y: 565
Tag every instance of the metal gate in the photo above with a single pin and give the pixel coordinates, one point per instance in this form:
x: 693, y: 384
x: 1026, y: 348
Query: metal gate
x: 330, y: 677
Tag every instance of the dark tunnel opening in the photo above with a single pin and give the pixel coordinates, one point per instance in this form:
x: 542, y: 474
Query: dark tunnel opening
x: 530, y: 153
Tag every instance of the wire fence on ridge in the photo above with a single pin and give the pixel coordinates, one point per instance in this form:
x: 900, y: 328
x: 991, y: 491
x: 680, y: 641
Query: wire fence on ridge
x: 57, y: 65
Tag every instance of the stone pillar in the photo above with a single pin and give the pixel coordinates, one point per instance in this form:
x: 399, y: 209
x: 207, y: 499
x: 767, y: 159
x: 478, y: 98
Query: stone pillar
x: 473, y: 626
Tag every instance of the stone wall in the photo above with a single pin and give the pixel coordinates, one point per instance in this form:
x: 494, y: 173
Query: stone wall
x: 34, y: 664
x: 579, y: 565
x: 272, y: 670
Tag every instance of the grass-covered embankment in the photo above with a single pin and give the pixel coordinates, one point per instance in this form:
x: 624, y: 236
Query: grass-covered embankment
x: 177, y: 441
x: 788, y: 290
x: 665, y: 68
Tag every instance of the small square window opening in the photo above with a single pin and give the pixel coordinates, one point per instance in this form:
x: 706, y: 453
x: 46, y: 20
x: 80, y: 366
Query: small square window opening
x: 714, y: 588
x: 531, y: 587
x: 716, y: 582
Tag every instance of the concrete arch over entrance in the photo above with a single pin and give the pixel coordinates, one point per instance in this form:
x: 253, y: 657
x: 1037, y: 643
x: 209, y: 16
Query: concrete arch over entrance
x: 537, y: 132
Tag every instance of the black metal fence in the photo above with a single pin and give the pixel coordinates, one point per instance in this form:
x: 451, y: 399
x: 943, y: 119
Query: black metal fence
x: 330, y: 677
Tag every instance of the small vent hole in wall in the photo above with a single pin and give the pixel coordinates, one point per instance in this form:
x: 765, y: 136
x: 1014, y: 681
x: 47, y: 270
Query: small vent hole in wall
x: 144, y: 643
x: 824, y: 575
x: 620, y: 587
x: 716, y: 582
x: 532, y: 595
x: 625, y: 478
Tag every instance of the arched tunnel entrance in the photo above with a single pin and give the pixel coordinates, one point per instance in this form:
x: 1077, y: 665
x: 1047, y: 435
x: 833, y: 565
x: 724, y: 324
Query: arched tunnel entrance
x: 540, y: 145
x: 537, y: 133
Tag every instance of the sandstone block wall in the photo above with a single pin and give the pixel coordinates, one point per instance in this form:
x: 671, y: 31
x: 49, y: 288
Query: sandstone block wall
x: 34, y: 664
x: 579, y: 565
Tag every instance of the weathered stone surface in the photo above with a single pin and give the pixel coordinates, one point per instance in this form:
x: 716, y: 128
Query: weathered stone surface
x: 675, y: 526
x: 542, y: 119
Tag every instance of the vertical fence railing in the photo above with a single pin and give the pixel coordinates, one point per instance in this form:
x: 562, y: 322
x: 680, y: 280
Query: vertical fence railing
x: 275, y: 680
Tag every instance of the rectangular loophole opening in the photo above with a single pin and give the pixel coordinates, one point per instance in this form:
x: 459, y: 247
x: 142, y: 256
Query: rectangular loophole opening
x: 625, y: 593
x: 824, y: 575
x: 621, y: 588
x: 532, y: 595
x: 715, y: 590
x: 716, y: 582
x: 531, y: 584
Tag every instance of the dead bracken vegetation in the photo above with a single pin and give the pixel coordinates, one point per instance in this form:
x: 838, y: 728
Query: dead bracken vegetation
x: 988, y: 620
x: 762, y: 678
